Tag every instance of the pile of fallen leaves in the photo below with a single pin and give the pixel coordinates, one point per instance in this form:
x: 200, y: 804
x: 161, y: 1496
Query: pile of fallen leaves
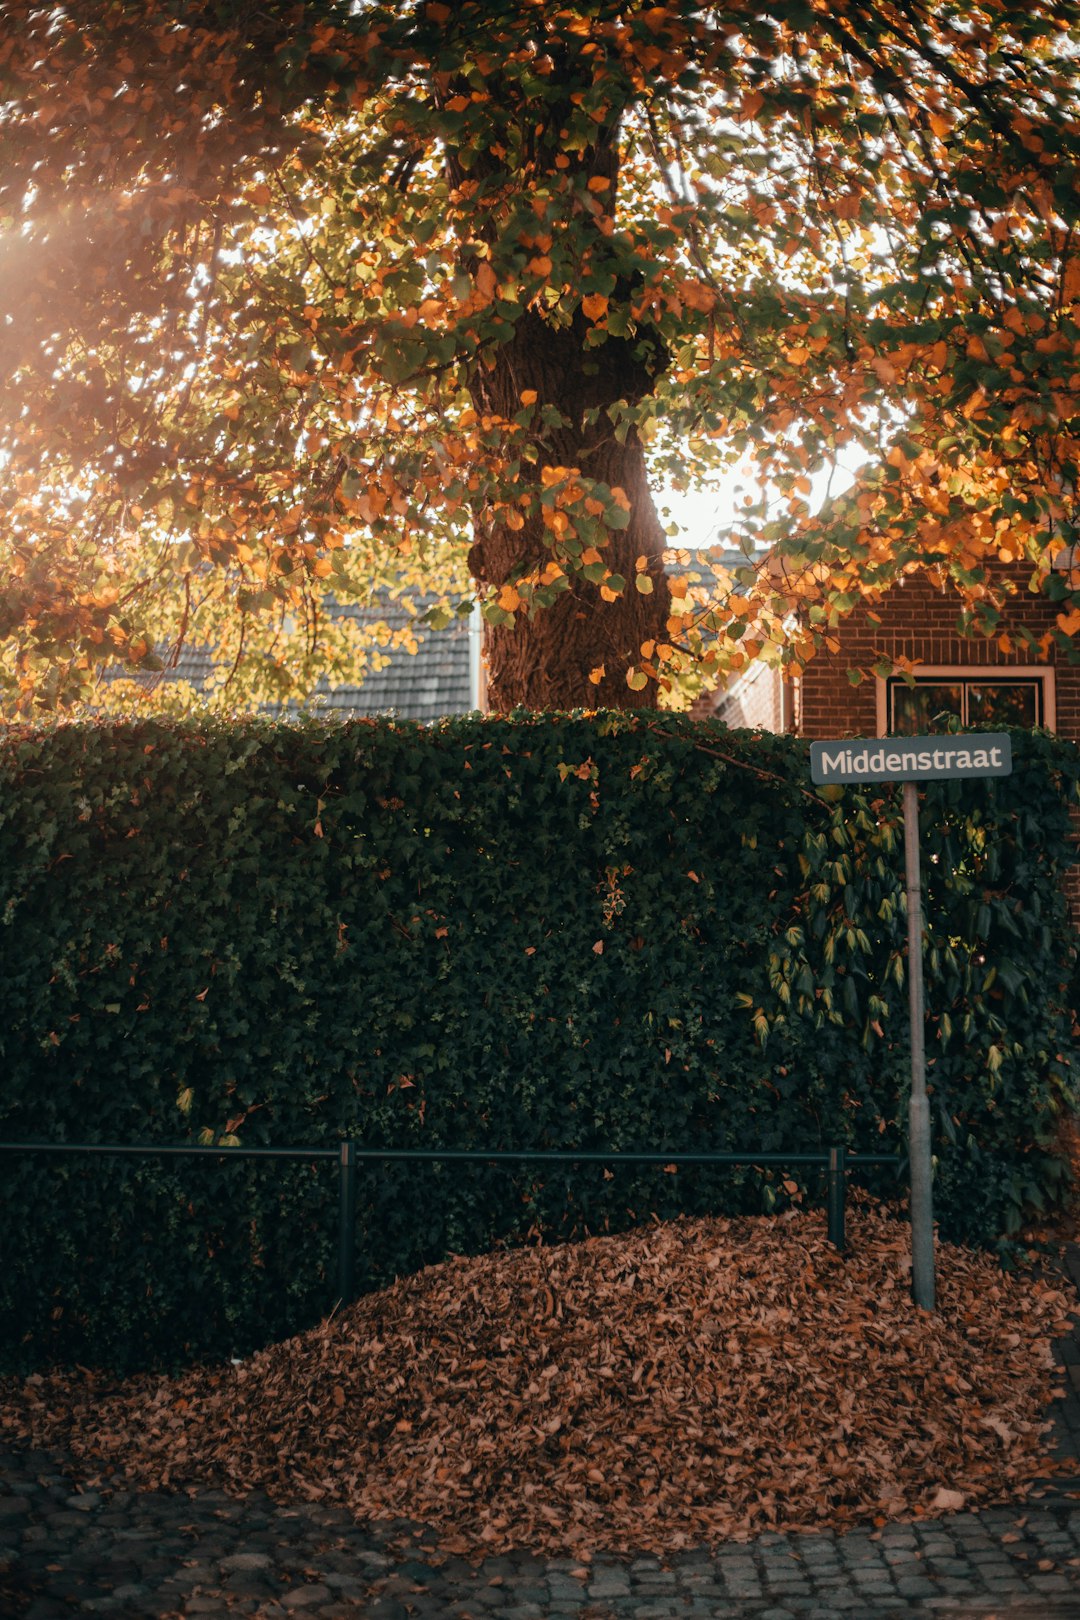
x: 689, y: 1382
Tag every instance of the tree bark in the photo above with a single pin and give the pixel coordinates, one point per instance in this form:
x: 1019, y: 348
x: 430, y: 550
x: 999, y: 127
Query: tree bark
x: 544, y: 660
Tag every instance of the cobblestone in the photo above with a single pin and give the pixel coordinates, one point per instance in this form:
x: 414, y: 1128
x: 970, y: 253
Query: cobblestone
x: 109, y: 1558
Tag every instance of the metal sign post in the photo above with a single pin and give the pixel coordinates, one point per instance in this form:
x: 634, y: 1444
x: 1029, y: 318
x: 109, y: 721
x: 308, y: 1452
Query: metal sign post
x: 911, y: 760
x: 919, y: 1155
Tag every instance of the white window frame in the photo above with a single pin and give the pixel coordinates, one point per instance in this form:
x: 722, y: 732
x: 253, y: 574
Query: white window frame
x: 969, y: 672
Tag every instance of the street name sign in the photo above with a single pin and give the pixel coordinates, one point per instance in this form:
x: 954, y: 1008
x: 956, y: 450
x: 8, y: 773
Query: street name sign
x: 911, y: 759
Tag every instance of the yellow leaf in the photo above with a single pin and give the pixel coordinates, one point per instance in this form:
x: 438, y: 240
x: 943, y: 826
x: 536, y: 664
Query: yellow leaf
x: 596, y: 675
x: 599, y: 182
x: 594, y: 306
x: 644, y: 583
x: 528, y: 396
x: 322, y: 567
x: 636, y: 679
x: 509, y: 599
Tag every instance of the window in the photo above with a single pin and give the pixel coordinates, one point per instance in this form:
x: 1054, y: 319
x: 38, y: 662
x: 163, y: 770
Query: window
x: 974, y: 698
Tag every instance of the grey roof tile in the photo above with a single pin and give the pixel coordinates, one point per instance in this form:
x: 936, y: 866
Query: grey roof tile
x: 434, y: 681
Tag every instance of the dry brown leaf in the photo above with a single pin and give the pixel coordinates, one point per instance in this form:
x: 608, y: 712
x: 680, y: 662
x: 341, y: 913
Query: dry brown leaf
x: 677, y: 1385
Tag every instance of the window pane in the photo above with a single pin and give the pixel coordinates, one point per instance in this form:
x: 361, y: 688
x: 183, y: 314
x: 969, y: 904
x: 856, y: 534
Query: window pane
x: 1004, y: 703
x: 916, y: 708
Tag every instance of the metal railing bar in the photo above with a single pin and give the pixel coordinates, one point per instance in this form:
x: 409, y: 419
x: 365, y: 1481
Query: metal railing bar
x: 835, y: 1161
x: 456, y: 1155
x: 174, y: 1148
x: 581, y: 1156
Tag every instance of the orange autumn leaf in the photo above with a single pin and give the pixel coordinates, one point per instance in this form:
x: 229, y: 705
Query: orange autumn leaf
x: 347, y: 248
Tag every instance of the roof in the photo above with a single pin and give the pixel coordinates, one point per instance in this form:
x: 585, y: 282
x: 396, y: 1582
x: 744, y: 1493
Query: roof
x: 440, y: 678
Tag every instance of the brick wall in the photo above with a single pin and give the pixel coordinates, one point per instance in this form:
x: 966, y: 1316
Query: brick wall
x: 919, y: 621
x: 1071, y: 885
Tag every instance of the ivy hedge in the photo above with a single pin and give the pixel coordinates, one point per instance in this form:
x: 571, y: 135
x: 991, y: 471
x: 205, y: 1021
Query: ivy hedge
x: 600, y: 931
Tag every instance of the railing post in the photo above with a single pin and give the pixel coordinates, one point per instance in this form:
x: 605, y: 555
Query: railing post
x: 837, y: 1192
x: 346, y: 1264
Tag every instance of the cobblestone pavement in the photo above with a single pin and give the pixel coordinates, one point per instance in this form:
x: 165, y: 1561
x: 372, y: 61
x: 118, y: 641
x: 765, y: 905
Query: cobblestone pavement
x: 137, y: 1555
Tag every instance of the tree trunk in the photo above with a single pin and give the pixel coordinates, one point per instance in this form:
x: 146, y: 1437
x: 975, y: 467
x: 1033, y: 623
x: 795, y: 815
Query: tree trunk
x: 544, y: 660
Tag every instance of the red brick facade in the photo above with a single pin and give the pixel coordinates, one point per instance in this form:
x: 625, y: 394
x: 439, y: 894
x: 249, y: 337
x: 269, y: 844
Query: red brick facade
x: 919, y: 622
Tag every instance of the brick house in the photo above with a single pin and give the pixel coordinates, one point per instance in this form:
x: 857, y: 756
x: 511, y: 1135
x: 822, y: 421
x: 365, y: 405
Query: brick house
x: 967, y: 676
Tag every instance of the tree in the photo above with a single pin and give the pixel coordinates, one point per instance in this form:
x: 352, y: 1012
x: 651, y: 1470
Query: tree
x: 305, y: 298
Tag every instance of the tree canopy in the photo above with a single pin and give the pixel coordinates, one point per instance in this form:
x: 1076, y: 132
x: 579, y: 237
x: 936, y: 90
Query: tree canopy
x: 301, y: 300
